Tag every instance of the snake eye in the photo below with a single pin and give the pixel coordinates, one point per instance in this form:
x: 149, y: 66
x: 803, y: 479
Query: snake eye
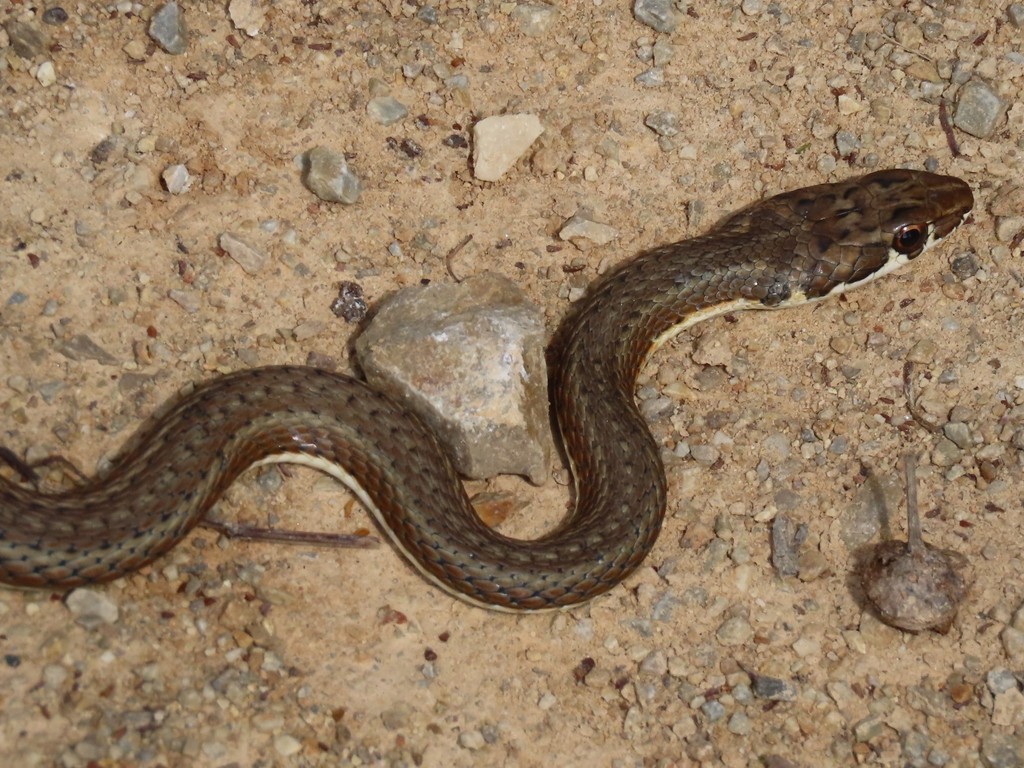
x: 909, y: 238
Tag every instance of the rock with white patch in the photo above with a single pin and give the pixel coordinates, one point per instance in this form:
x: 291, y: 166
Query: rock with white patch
x: 468, y: 358
x: 499, y: 141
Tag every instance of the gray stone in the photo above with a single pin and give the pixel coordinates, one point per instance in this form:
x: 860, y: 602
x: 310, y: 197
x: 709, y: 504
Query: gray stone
x: 978, y: 109
x: 656, y: 14
x: 663, y: 123
x: 1000, y: 680
x: 959, y: 433
x: 187, y: 300
x: 427, y: 14
x: 713, y: 710
x: 652, y: 78
x: 250, y: 259
x: 846, y: 143
x: 705, y: 455
x: 499, y: 141
x: 946, y: 453
x: 869, y: 728
x: 27, y: 40
x: 655, y: 663
x: 327, y: 176
x: 81, y: 347
x: 91, y: 607
x: 740, y: 724
x: 534, y: 19
x: 469, y: 359
x: 386, y: 110
x: 787, y: 538
x: 1013, y: 645
x: 734, y: 631
x: 581, y: 227
x: 999, y: 750
x: 773, y: 689
x: 55, y: 16
x: 167, y: 28
x: 1015, y: 13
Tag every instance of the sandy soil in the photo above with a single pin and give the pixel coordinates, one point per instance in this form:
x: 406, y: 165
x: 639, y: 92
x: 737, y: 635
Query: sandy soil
x: 229, y: 653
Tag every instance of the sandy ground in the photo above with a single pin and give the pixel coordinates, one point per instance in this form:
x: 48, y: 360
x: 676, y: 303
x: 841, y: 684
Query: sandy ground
x: 230, y: 653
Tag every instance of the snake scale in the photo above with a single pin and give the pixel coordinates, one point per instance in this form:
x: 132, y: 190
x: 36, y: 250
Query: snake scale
x: 787, y: 250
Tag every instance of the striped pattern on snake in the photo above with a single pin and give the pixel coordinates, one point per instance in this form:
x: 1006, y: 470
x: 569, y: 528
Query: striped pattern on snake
x: 794, y: 248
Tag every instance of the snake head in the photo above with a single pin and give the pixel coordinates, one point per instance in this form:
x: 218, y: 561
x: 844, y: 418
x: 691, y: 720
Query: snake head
x: 857, y: 230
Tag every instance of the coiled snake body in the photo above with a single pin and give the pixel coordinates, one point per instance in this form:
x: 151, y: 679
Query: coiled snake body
x: 790, y: 249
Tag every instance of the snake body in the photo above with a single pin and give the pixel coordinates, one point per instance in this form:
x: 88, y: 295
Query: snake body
x: 787, y: 250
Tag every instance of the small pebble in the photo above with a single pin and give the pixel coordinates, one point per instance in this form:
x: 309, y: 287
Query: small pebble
x: 534, y: 19
x: 472, y: 740
x: 580, y: 227
x: 55, y: 16
x: 250, y: 259
x: 386, y: 110
x: 167, y: 29
x: 27, y: 40
x: 979, y: 109
x: 663, y: 123
x: 187, y: 300
x: 499, y: 142
x: 773, y: 689
x: 656, y: 14
x: 734, y: 631
x: 91, y: 607
x: 46, y: 75
x: 740, y: 724
x: 177, y: 179
x: 327, y: 176
x: 286, y: 745
x: 713, y: 710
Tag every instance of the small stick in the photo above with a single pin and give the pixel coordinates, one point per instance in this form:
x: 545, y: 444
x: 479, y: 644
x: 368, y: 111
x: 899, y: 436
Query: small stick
x: 453, y: 253
x: 947, y: 128
x: 244, y: 532
x: 915, y: 543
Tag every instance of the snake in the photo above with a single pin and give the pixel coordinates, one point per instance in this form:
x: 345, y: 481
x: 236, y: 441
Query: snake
x: 785, y: 251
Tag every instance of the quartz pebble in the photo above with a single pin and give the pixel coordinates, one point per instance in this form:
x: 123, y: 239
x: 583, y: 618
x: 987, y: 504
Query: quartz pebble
x: 177, y: 179
x: 247, y: 15
x: 499, y: 141
x: 45, y: 74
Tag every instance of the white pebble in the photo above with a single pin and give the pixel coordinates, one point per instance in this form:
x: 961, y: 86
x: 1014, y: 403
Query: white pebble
x: 46, y: 74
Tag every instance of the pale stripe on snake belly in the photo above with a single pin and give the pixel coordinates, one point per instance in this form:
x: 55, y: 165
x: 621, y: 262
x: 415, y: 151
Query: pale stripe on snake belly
x: 784, y: 251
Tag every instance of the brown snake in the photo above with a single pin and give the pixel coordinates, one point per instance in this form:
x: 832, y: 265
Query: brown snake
x: 790, y: 249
